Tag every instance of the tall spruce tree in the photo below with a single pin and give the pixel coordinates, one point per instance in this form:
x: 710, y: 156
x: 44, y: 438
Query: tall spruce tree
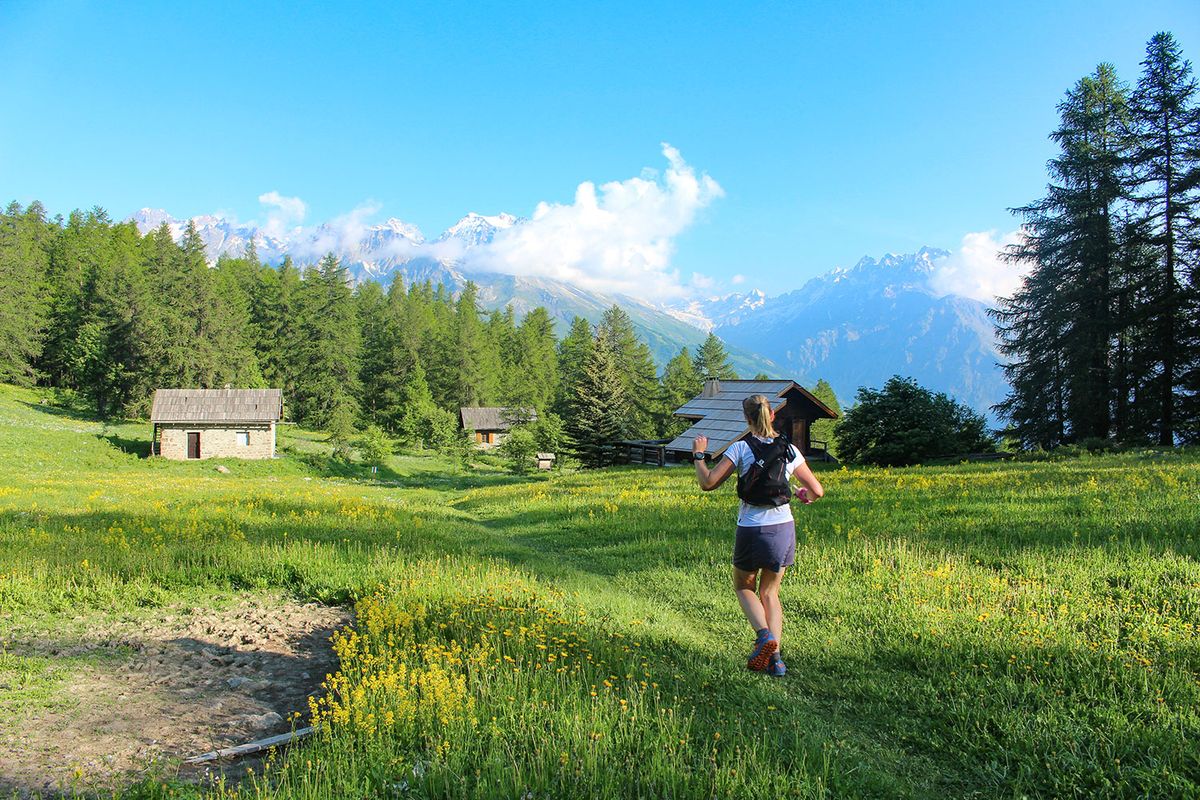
x: 329, y: 387
x: 1058, y: 328
x: 680, y: 383
x: 635, y: 369
x: 1165, y: 152
x: 534, y: 372
x: 375, y: 375
x: 600, y: 409
x: 475, y: 358
x: 573, y: 353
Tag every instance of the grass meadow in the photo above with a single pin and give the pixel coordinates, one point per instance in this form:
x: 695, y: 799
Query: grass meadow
x: 987, y: 630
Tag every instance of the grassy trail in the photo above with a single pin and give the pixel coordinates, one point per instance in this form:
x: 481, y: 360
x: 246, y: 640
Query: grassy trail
x: 966, y: 631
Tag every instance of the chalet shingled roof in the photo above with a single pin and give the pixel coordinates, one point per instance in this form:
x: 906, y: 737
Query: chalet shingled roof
x: 718, y: 411
x: 492, y: 418
x: 217, y: 405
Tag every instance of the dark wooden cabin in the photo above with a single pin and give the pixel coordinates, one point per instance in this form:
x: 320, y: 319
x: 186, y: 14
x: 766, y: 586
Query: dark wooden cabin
x: 717, y: 413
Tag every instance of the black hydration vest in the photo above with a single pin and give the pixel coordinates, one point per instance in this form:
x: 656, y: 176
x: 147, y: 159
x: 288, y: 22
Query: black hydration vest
x: 765, y: 483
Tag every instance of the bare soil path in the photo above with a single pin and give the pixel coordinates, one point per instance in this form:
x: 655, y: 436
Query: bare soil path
x: 148, y: 693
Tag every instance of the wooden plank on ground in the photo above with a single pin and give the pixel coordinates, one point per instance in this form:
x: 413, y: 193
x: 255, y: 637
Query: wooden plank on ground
x: 249, y: 748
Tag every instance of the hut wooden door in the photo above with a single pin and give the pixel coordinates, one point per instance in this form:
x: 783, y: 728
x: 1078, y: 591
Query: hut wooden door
x: 799, y: 433
x: 193, y: 445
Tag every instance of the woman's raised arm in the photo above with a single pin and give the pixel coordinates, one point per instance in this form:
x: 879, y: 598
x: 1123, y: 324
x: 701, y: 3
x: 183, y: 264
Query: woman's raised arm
x: 709, y: 479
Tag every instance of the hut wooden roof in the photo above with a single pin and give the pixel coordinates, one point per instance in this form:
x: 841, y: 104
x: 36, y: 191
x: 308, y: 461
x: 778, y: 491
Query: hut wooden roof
x: 492, y: 418
x: 217, y: 405
x: 718, y: 411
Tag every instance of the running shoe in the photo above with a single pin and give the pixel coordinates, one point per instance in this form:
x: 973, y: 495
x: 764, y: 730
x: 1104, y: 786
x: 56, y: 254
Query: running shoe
x: 764, y: 647
x: 775, y: 667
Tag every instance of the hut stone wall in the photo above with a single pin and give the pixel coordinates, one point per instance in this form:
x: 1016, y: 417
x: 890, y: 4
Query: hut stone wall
x: 218, y: 441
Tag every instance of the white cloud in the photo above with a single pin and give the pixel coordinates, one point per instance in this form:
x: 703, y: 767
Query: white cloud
x: 617, y: 238
x: 976, y: 269
x: 285, y: 214
x: 738, y: 279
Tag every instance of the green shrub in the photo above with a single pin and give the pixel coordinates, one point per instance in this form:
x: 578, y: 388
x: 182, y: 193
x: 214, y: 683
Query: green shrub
x: 374, y: 446
x: 905, y: 423
x: 519, y: 450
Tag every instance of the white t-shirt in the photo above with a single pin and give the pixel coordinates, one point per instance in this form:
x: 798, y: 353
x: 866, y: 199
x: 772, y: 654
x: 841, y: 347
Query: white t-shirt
x: 742, y: 457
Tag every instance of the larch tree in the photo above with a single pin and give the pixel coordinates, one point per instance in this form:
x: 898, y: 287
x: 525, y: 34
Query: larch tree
x: 1058, y: 328
x: 1164, y: 153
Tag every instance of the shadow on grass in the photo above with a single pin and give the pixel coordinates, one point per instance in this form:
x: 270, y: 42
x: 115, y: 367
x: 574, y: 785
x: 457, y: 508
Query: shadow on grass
x: 327, y: 466
x: 77, y: 412
x: 136, y: 447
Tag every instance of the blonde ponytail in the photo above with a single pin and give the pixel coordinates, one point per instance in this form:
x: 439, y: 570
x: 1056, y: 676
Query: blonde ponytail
x: 757, y: 409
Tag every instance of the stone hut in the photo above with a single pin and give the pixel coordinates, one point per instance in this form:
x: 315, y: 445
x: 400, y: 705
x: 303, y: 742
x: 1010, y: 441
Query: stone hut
x: 215, y: 423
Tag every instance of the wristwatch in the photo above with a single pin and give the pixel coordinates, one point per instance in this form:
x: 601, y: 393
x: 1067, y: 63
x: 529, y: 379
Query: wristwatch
x: 698, y: 456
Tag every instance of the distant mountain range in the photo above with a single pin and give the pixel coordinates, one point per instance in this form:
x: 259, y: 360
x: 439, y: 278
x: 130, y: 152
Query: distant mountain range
x: 854, y: 327
x: 859, y: 326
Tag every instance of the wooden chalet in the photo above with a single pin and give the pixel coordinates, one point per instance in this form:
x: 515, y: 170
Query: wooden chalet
x: 215, y: 423
x: 491, y: 424
x: 717, y: 414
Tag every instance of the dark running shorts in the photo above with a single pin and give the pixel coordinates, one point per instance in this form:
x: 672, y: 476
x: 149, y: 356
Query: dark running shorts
x: 770, y: 547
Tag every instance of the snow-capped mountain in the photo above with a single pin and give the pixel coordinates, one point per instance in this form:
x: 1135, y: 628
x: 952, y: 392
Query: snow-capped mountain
x: 476, y: 229
x: 714, y: 312
x: 859, y: 326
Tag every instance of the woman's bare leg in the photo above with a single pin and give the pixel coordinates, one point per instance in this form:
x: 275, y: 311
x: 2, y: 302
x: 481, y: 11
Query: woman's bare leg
x: 745, y: 586
x: 768, y: 597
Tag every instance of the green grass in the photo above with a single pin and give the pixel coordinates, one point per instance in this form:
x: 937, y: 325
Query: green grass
x: 988, y: 630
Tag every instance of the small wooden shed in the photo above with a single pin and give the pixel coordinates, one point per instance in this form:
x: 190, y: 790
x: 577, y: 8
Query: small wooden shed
x: 492, y: 423
x: 717, y: 413
x: 215, y: 423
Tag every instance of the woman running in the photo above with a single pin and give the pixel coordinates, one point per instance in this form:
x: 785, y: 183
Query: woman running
x: 765, y: 544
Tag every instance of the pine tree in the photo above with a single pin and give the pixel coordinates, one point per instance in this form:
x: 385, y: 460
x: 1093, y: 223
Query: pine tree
x: 1165, y: 118
x: 600, y: 409
x: 235, y: 362
x: 534, y: 376
x: 680, y: 383
x: 573, y: 352
x: 501, y: 332
x: 328, y: 389
x: 24, y: 264
x: 635, y: 369
x: 712, y: 361
x: 474, y: 356
x: 1058, y: 328
x: 78, y: 257
x: 375, y: 371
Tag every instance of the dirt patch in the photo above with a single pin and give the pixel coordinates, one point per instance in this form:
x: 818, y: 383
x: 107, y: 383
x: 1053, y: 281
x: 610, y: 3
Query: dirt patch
x: 153, y: 693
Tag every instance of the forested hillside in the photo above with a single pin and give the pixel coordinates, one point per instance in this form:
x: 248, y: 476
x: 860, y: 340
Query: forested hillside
x: 93, y: 307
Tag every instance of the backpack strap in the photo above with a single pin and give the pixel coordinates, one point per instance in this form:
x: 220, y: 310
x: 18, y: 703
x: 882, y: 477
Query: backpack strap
x: 762, y: 450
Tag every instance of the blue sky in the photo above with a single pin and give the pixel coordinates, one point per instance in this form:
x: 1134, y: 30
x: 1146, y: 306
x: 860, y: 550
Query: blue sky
x: 833, y: 131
